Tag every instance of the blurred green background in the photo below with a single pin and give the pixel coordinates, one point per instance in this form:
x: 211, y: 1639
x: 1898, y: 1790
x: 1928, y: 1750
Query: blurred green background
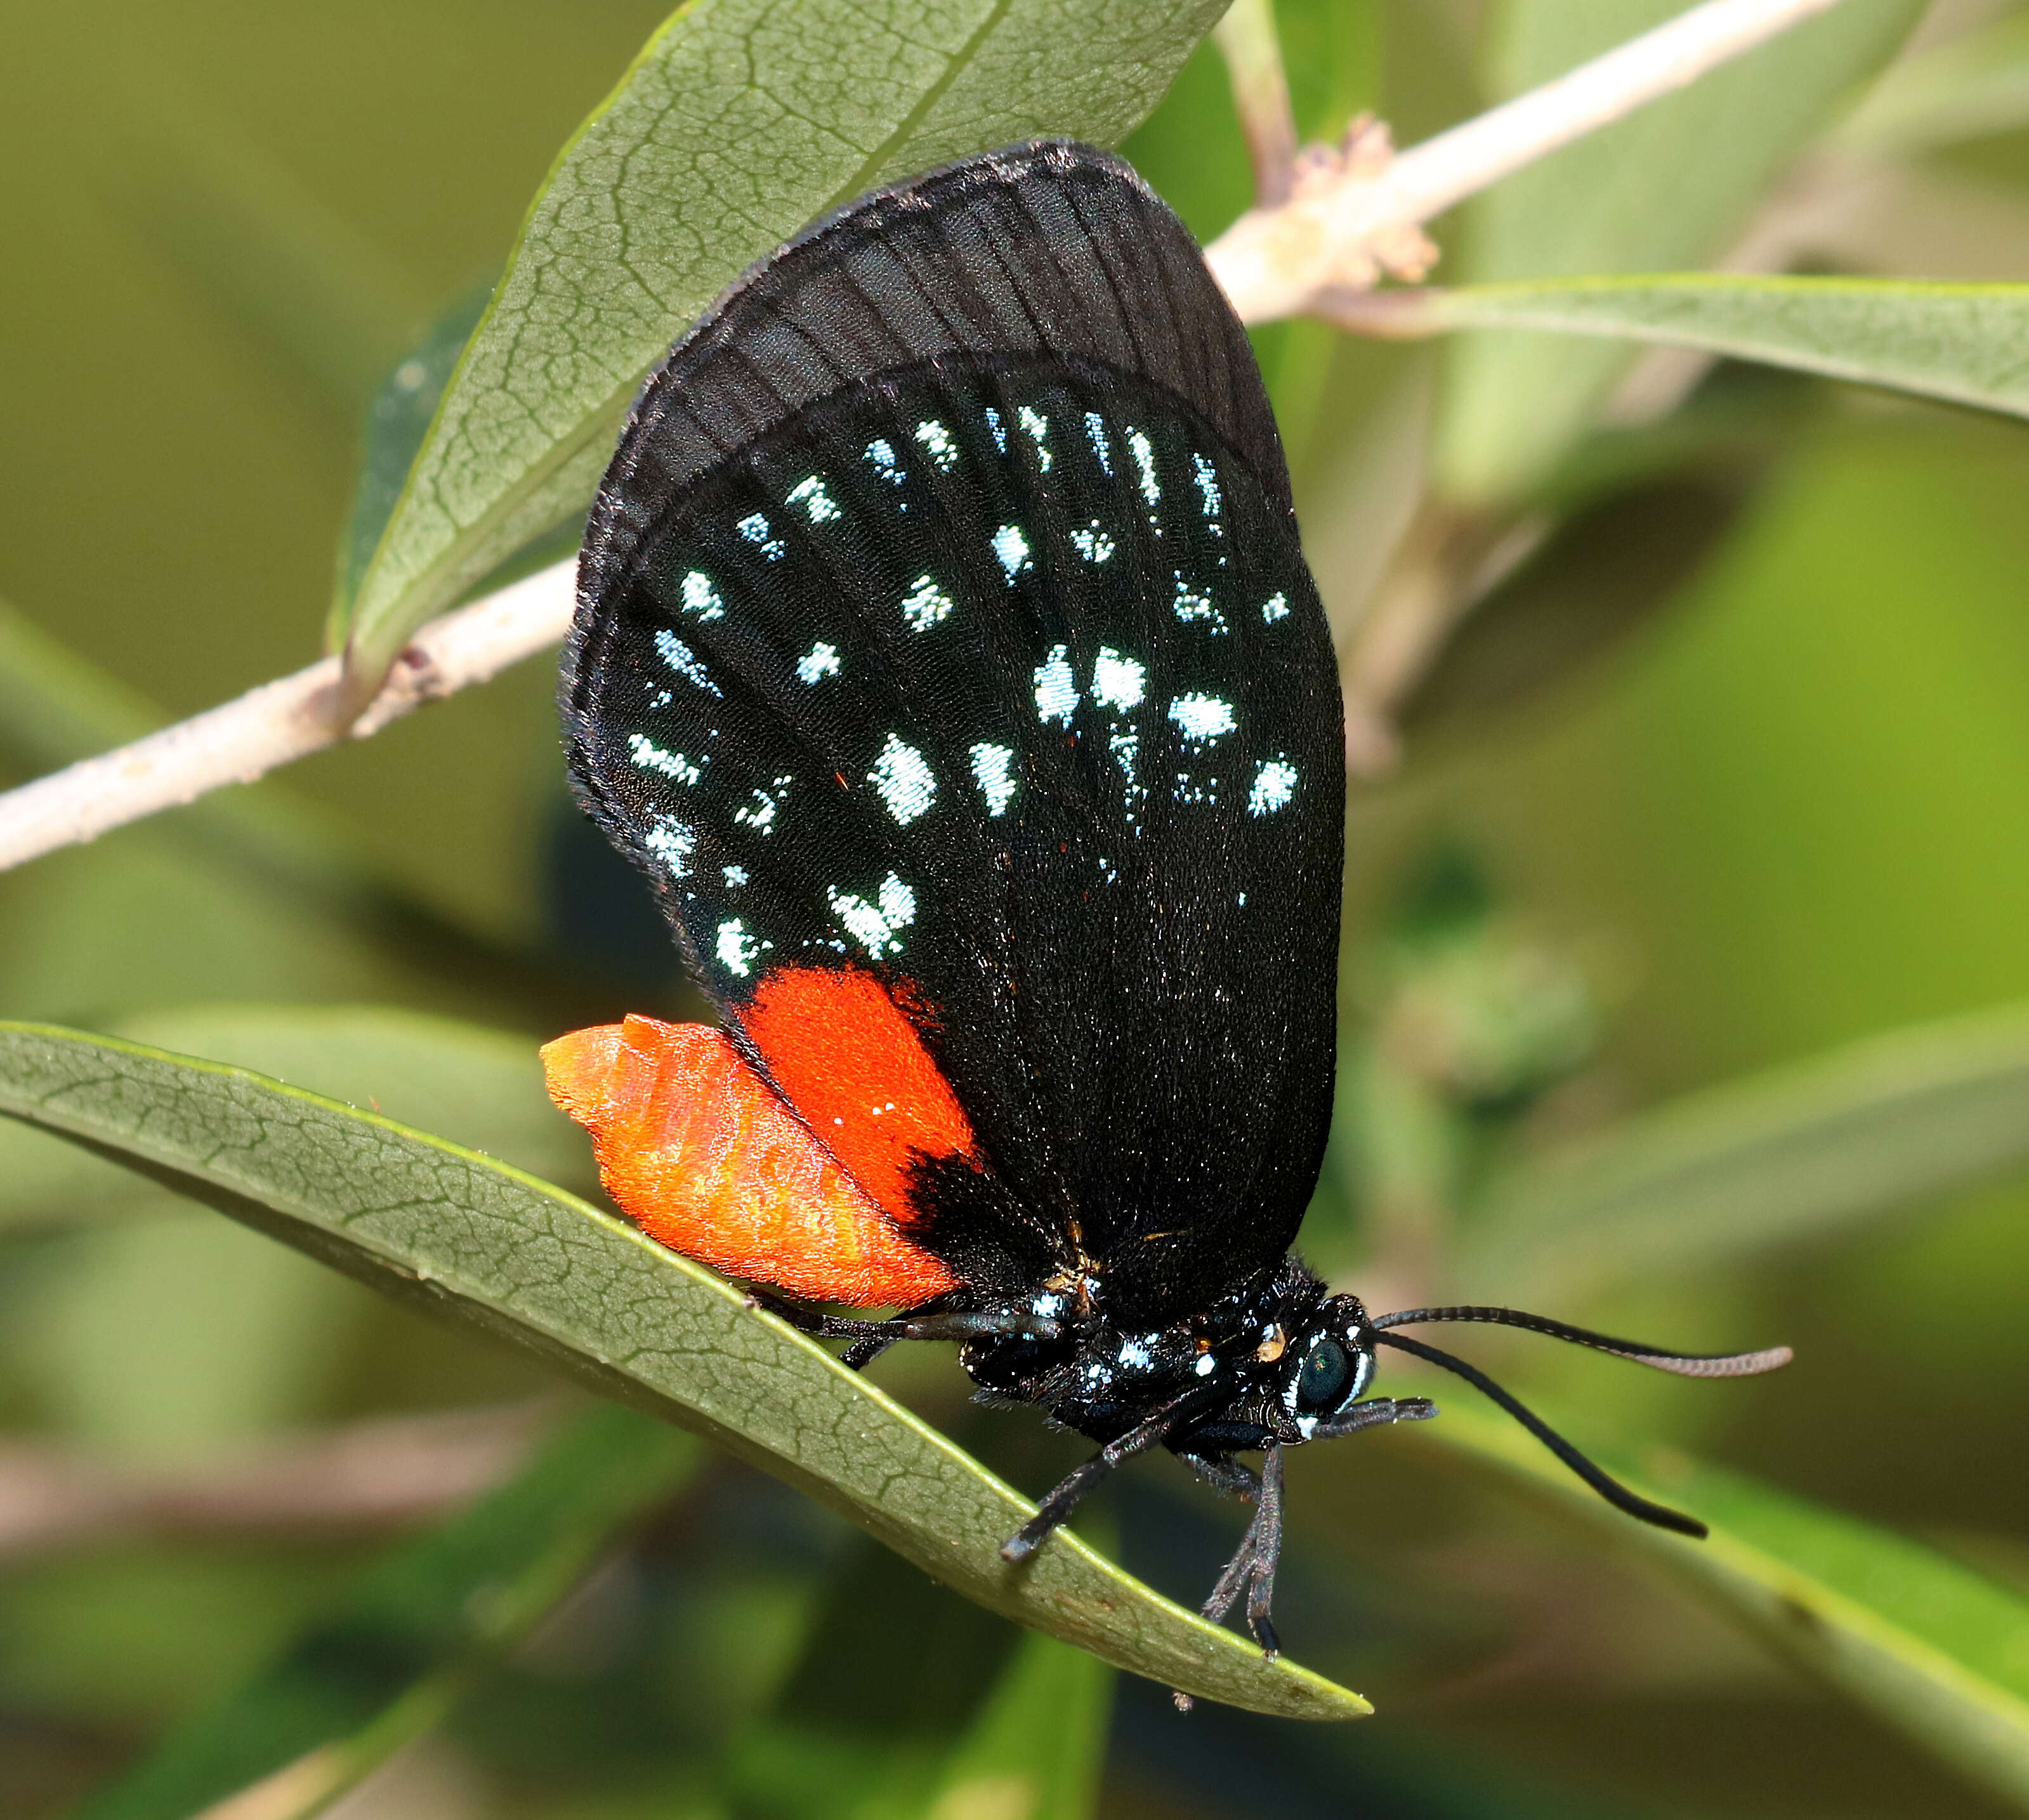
x: 1784, y: 804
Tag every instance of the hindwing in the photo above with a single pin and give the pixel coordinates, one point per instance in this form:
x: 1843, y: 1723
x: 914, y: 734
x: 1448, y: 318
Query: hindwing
x: 946, y: 658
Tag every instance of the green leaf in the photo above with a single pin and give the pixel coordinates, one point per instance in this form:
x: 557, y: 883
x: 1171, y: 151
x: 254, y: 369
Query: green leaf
x: 741, y: 120
x: 1035, y: 1750
x: 389, y: 1663
x: 422, y: 1219
x: 1968, y: 87
x: 1932, y: 1647
x: 1762, y: 1162
x: 398, y: 420
x: 1664, y: 188
x: 1960, y: 343
x: 482, y: 1088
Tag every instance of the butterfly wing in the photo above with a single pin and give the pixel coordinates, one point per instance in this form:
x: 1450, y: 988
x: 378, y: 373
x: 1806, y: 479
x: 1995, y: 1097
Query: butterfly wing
x: 946, y: 658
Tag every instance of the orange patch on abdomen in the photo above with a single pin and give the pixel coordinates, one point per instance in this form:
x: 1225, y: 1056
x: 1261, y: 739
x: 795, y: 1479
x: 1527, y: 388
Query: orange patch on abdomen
x: 848, y: 1059
x: 699, y: 1152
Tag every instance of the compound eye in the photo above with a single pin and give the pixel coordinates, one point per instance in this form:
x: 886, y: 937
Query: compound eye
x: 1324, y: 1377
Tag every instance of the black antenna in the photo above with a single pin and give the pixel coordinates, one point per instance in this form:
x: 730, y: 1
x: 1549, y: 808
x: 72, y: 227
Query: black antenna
x: 1685, y: 1365
x: 1610, y: 1488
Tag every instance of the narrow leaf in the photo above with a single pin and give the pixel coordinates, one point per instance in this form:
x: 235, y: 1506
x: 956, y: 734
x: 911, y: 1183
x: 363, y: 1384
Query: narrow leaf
x: 741, y: 120
x: 1932, y: 1647
x: 1666, y: 187
x: 1961, y: 343
x: 1036, y: 1748
x: 422, y: 1219
x: 388, y: 1663
x: 1727, y: 1173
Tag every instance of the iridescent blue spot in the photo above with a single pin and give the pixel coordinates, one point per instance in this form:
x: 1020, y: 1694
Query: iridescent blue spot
x: 756, y: 529
x: 880, y: 451
x: 1193, y: 605
x: 877, y: 926
x: 759, y: 814
x: 651, y: 757
x: 1144, y: 461
x: 937, y: 443
x: 1012, y: 548
x: 1038, y: 427
x: 810, y: 495
x: 1117, y: 681
x: 671, y: 842
x: 738, y: 950
x: 1102, y: 445
x: 1276, y: 607
x: 993, y: 768
x: 1056, y: 689
x: 925, y: 604
x: 821, y: 661
x: 701, y: 598
x: 1274, y: 783
x: 1214, y: 501
x: 683, y: 660
x: 1092, y: 544
x: 1201, y: 718
x: 902, y: 776
x: 735, y: 876
x: 999, y: 428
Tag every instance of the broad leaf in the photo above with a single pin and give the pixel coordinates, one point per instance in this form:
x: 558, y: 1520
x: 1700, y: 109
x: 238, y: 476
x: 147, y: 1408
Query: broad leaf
x: 1758, y: 1163
x: 741, y: 120
x: 1934, y: 1648
x: 388, y: 1663
x: 1961, y: 343
x: 1664, y: 188
x: 423, y: 1219
x: 483, y: 1088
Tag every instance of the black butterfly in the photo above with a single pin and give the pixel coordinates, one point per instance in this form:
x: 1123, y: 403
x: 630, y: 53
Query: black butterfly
x: 946, y: 658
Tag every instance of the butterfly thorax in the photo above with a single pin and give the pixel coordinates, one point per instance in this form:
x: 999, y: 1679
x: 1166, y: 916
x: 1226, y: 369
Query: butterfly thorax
x: 1230, y: 1363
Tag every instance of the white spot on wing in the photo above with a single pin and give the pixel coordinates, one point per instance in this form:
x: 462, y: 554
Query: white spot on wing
x: 1117, y: 681
x: 925, y: 604
x: 1102, y: 444
x: 671, y: 842
x: 1092, y: 544
x: 1194, y: 605
x: 1038, y: 427
x: 821, y: 661
x: 1012, y: 548
x: 701, y: 598
x: 937, y: 444
x: 877, y: 926
x: 904, y: 779
x: 810, y: 495
x: 1274, y: 783
x: 1056, y: 689
x: 683, y: 660
x: 651, y: 757
x: 993, y: 766
x: 737, y: 950
x: 1144, y: 462
x: 1202, y: 718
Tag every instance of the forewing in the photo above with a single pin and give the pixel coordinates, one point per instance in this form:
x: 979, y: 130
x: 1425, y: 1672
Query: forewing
x: 988, y: 671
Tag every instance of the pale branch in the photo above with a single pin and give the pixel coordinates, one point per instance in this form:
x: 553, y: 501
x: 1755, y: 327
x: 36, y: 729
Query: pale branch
x: 1247, y: 39
x: 1355, y: 213
x: 1345, y: 226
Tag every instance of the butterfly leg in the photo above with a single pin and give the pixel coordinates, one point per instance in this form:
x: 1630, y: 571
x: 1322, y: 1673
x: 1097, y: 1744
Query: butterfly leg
x: 1252, y: 1570
x: 1056, y: 1508
x: 934, y: 1320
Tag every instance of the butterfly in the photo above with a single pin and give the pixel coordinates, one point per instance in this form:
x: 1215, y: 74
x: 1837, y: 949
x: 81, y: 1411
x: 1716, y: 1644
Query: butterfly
x: 946, y: 658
